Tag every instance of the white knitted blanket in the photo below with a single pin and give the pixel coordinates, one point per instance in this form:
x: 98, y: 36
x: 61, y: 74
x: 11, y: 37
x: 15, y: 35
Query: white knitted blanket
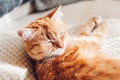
x: 112, y: 38
x: 14, y: 62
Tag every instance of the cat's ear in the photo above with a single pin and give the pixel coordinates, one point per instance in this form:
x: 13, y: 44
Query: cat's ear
x: 19, y: 33
x: 25, y: 34
x: 56, y: 14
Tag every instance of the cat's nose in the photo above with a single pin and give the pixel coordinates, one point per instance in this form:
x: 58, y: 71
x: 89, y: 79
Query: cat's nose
x: 60, y: 45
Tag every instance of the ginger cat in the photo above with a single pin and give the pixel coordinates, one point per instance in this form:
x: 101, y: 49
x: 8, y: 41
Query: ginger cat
x: 60, y: 56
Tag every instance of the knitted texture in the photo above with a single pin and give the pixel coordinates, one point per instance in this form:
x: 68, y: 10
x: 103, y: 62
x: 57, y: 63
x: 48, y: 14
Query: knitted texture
x: 15, y: 63
x: 112, y: 38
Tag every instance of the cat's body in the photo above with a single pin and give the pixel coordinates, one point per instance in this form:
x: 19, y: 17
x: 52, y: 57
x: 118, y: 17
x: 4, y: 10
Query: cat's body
x: 68, y: 57
x: 81, y: 60
x: 87, y: 68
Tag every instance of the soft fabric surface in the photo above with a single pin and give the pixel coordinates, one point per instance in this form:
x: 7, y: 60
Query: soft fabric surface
x: 112, y: 38
x: 15, y: 63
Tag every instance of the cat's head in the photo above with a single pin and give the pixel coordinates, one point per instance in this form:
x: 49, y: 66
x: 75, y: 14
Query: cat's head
x: 45, y: 36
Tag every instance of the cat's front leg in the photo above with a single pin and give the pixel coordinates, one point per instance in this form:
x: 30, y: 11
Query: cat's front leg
x: 91, y: 26
x: 92, y: 32
x: 99, y: 29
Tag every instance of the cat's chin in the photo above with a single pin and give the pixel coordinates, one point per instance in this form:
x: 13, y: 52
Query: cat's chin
x: 57, y: 52
x: 54, y: 53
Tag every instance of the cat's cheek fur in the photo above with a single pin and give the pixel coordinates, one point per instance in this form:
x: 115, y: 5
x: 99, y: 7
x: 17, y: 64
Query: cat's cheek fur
x: 36, y: 56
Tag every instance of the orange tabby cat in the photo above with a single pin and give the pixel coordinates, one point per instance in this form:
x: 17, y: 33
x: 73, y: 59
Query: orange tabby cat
x: 60, y: 56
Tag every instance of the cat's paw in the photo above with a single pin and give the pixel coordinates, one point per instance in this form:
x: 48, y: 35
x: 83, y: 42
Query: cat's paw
x: 96, y: 20
x: 91, y: 26
x: 99, y: 24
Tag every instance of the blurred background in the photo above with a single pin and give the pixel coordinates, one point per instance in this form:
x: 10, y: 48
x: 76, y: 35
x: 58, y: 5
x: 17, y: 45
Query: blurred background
x: 14, y: 9
x: 39, y: 5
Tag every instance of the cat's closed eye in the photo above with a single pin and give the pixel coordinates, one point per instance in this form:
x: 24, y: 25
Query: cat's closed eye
x: 49, y: 41
x: 48, y: 36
